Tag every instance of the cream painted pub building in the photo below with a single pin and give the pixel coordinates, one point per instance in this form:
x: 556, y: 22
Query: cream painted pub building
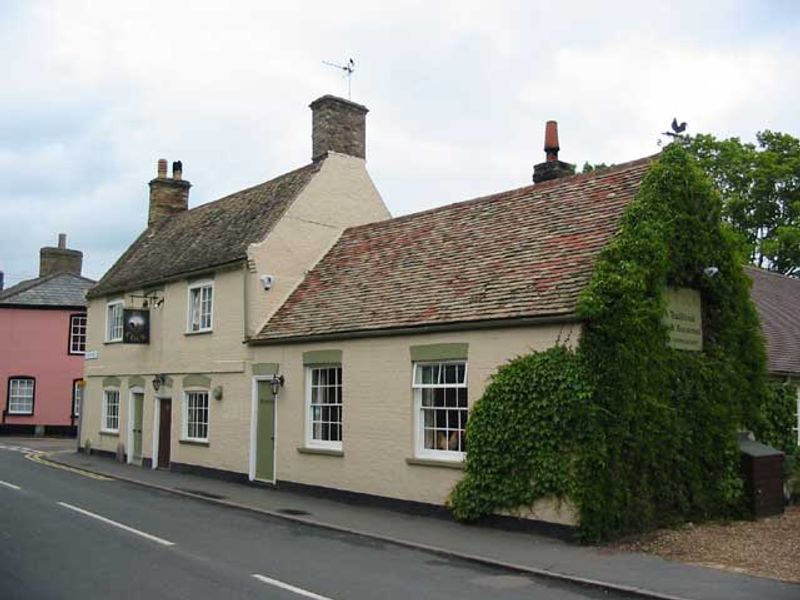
x: 169, y: 377
x: 301, y: 338
x: 382, y: 332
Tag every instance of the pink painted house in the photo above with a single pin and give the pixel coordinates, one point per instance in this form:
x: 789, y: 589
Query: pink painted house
x: 42, y: 346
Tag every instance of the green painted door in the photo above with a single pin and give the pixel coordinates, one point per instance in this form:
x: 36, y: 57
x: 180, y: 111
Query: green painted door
x: 265, y: 433
x: 138, y: 402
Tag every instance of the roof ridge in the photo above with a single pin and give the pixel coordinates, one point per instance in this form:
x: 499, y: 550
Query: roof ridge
x: 252, y: 187
x: 25, y: 285
x: 764, y: 271
x: 272, y: 198
x: 543, y: 186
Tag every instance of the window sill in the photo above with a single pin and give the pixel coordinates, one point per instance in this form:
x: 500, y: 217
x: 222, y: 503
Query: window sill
x: 202, y: 332
x: 108, y: 342
x: 76, y: 353
x: 19, y: 414
x: 320, y: 451
x: 436, y: 462
x: 194, y: 442
x: 109, y: 432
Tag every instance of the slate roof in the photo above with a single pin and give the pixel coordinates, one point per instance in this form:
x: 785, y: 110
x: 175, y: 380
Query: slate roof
x: 57, y: 289
x: 209, y: 235
x: 777, y: 299
x: 523, y: 253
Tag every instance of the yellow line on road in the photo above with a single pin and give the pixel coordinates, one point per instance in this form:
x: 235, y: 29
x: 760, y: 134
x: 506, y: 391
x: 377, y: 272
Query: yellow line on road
x: 38, y: 458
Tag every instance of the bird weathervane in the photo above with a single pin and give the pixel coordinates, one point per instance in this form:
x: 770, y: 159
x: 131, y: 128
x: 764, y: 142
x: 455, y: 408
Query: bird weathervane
x: 677, y: 130
x: 348, y: 69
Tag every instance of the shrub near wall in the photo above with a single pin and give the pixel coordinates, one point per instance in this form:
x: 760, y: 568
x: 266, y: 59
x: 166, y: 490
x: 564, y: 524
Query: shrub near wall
x: 776, y: 417
x: 640, y: 435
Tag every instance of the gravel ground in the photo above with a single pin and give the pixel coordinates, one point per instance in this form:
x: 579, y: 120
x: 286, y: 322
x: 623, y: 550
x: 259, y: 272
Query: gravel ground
x: 767, y: 548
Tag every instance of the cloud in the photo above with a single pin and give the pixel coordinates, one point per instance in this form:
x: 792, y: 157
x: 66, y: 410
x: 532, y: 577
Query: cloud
x: 95, y: 92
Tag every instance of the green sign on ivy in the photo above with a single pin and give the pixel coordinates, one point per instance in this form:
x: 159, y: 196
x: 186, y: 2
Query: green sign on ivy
x: 684, y: 319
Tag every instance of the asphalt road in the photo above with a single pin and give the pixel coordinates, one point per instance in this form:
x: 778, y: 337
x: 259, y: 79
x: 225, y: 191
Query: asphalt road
x: 66, y: 535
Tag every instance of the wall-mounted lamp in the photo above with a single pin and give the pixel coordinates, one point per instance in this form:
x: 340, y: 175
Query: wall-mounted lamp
x: 158, y: 381
x: 217, y: 392
x: 276, y: 383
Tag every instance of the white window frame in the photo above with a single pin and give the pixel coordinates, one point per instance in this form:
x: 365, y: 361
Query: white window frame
x: 190, y: 306
x: 105, y: 414
x: 185, y: 415
x: 419, y: 421
x: 311, y: 441
x: 112, y: 327
x: 79, y: 336
x: 16, y: 396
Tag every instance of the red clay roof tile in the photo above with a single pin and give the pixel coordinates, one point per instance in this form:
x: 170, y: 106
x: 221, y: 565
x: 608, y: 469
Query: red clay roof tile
x: 523, y: 253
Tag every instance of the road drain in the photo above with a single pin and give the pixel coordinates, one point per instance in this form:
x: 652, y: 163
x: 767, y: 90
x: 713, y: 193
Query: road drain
x: 202, y: 493
x: 294, y: 512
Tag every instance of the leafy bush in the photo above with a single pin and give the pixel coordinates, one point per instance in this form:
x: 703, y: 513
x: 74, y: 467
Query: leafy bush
x: 776, y: 416
x: 523, y: 434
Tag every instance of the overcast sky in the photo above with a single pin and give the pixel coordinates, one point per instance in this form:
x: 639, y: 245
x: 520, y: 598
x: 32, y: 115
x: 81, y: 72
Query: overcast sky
x: 92, y: 93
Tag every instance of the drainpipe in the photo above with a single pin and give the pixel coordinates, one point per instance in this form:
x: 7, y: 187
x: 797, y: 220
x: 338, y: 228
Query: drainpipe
x: 80, y: 418
x: 245, y: 324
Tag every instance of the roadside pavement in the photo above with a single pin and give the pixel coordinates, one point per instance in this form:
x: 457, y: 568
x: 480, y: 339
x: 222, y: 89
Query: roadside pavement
x: 639, y: 574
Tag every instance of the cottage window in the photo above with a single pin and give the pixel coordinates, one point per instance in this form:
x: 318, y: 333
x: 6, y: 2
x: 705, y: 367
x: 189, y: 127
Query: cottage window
x: 111, y: 411
x: 201, y: 299
x: 20, y: 395
x: 114, y: 321
x: 77, y: 334
x: 440, y: 399
x: 195, y: 416
x: 324, y: 406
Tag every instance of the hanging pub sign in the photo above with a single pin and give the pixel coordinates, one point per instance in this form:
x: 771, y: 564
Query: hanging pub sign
x: 135, y: 326
x: 684, y: 319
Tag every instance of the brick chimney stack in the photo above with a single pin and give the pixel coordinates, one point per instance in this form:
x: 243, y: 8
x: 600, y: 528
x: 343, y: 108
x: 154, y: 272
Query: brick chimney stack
x: 338, y: 125
x: 552, y: 168
x: 168, y: 195
x: 60, y: 259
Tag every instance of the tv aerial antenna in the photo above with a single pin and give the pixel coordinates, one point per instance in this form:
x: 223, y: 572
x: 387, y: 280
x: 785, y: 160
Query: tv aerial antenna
x: 348, y: 69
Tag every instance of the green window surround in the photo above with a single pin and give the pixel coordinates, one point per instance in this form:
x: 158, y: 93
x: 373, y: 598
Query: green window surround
x: 195, y: 380
x: 265, y: 368
x: 434, y: 352
x: 322, y: 357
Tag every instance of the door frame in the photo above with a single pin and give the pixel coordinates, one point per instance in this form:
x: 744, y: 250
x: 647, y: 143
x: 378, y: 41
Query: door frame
x: 132, y: 420
x: 254, y: 431
x: 156, y: 425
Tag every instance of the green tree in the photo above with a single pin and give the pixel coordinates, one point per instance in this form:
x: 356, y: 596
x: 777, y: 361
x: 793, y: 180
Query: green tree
x: 589, y: 167
x: 760, y: 187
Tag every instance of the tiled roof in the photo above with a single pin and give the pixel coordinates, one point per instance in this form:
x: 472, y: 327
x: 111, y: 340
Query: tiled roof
x: 58, y: 289
x: 524, y: 253
x: 206, y: 236
x: 777, y: 299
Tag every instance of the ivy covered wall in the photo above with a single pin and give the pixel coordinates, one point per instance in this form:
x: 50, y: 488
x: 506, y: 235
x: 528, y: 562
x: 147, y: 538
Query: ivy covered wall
x: 634, y: 433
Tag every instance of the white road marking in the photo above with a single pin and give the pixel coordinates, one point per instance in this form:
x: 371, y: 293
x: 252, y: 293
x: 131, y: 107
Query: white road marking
x: 148, y: 536
x: 10, y: 485
x: 291, y: 588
